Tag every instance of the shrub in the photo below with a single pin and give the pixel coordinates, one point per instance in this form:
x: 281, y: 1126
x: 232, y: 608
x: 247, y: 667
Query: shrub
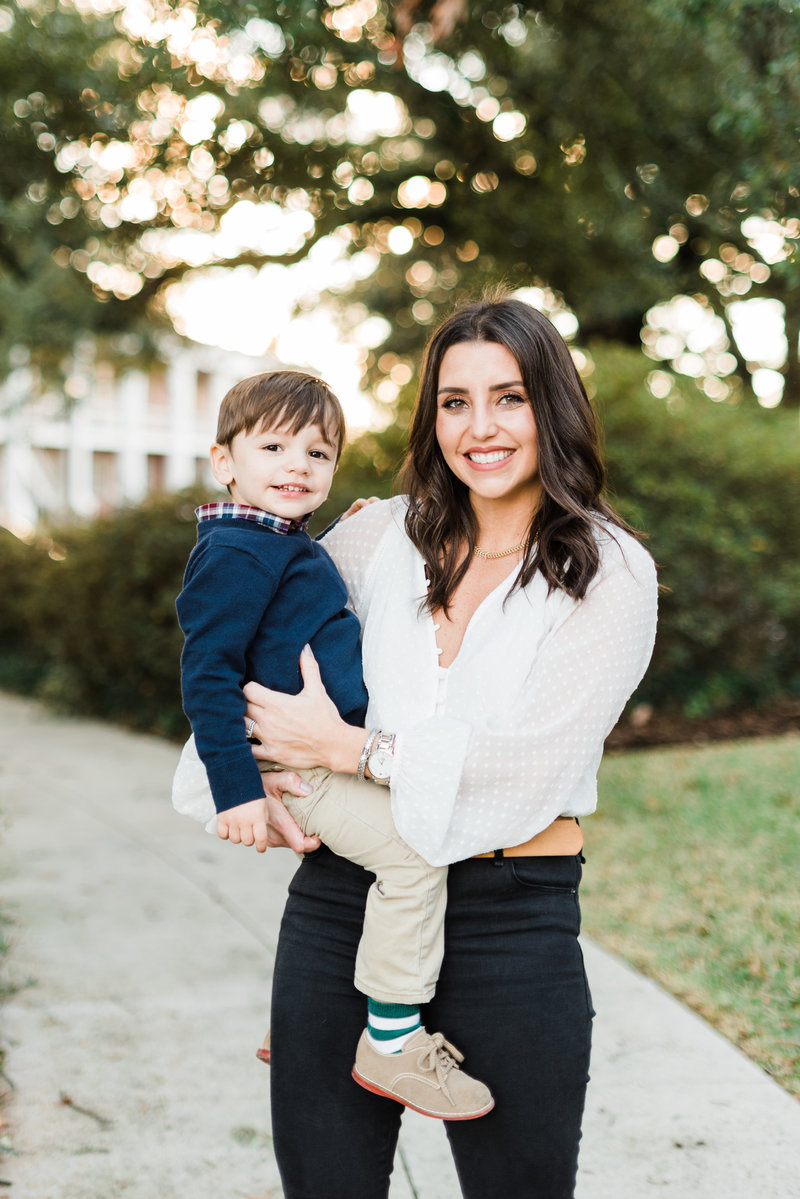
x: 106, y: 618
x: 26, y: 571
x: 717, y: 488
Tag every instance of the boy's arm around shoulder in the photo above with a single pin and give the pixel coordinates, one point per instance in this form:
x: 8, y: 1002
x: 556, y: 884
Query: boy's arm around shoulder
x: 353, y: 543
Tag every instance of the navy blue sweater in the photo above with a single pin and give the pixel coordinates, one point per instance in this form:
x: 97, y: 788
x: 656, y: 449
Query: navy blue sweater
x: 251, y: 599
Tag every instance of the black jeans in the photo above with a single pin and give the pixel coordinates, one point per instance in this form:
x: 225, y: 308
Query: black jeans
x: 512, y: 996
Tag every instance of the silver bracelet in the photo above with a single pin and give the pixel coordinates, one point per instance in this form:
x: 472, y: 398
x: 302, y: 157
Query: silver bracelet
x: 366, y: 751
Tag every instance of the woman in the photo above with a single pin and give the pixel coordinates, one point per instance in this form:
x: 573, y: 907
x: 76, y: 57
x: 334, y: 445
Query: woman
x: 507, y: 616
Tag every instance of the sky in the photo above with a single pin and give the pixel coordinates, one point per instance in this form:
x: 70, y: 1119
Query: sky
x: 251, y: 312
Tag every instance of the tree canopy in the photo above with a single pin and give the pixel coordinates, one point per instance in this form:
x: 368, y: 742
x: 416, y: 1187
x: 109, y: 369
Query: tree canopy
x: 616, y: 152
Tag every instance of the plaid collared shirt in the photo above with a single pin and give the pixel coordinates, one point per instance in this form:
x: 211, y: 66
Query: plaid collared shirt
x: 279, y: 524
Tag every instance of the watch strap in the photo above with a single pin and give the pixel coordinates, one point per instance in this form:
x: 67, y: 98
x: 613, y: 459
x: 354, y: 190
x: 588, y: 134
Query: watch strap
x: 366, y: 751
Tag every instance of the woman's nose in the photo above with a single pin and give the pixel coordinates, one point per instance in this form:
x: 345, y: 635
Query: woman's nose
x: 484, y: 420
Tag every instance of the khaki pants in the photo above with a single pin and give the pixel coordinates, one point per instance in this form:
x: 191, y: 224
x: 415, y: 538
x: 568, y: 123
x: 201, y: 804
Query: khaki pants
x: 402, y: 943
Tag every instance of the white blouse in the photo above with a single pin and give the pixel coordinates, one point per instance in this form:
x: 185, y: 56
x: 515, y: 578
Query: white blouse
x: 510, y: 736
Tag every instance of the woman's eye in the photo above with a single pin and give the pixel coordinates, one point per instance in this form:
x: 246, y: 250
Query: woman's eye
x: 511, y: 398
x: 453, y: 403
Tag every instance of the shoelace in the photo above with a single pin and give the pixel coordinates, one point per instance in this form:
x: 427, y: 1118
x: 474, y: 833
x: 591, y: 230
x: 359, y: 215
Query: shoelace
x: 440, y: 1056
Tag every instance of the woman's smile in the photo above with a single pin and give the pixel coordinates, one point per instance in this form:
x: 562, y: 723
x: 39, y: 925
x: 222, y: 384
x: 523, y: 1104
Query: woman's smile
x: 488, y: 459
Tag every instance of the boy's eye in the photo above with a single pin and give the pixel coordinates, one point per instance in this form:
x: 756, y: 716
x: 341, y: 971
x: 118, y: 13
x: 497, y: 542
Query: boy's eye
x: 320, y: 454
x: 273, y: 446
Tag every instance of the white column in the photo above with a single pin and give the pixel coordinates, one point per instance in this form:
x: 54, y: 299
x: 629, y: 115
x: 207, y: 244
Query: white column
x: 18, y: 508
x: 132, y: 406
x: 21, y: 511
x: 182, y: 392
x: 80, y: 482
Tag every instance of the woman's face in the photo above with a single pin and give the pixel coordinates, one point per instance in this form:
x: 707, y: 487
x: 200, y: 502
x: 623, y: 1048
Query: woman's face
x: 485, y: 425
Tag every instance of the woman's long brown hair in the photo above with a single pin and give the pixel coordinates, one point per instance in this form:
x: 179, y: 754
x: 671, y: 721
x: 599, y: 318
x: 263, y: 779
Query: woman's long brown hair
x: 440, y: 521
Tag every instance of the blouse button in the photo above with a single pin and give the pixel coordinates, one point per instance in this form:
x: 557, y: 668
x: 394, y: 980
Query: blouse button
x: 439, y: 651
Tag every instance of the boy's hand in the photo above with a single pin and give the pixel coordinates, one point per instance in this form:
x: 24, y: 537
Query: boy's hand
x: 266, y: 823
x: 357, y: 505
x: 245, y: 824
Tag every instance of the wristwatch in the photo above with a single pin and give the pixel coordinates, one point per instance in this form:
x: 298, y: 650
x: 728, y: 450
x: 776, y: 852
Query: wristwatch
x: 381, y: 759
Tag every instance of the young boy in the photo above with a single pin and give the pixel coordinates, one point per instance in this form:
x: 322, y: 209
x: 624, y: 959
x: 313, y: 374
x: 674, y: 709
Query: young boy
x: 256, y: 591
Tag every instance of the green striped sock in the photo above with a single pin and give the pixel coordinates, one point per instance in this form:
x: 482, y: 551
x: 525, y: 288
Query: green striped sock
x: 389, y: 1025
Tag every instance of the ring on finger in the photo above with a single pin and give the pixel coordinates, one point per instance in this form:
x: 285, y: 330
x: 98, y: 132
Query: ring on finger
x: 250, y: 728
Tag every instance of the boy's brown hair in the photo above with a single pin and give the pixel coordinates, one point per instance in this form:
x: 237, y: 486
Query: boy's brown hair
x: 281, y: 398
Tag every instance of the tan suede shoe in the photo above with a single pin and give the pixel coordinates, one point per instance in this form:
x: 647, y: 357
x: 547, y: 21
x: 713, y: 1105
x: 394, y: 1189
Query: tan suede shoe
x: 425, y: 1076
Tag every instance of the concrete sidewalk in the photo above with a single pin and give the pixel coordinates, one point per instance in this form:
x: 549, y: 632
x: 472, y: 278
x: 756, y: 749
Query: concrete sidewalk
x: 141, y: 949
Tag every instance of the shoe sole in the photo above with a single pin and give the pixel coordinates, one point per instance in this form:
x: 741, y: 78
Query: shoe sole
x: 376, y: 1090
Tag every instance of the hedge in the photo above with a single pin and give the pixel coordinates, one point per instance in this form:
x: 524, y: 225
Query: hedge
x: 95, y: 613
x: 87, y: 613
x: 717, y: 487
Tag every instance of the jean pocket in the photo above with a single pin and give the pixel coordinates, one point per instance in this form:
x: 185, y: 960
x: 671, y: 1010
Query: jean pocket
x: 548, y: 876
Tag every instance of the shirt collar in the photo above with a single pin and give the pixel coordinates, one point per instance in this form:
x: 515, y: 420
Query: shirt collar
x: 278, y: 524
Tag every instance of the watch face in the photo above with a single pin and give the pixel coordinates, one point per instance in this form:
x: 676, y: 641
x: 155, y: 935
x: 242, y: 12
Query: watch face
x: 380, y: 764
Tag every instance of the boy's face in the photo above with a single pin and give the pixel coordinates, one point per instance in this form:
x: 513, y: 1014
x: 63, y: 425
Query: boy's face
x: 287, y: 474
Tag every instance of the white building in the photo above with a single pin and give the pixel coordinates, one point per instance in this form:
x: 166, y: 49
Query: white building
x: 132, y: 433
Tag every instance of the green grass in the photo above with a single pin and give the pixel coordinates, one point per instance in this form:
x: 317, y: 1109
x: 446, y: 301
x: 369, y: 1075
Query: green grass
x: 693, y: 877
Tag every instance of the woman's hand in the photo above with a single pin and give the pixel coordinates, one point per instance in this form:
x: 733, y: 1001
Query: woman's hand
x: 302, y: 730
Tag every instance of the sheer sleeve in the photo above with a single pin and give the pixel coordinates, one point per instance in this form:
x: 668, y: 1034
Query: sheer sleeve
x: 459, y: 789
x: 353, y: 544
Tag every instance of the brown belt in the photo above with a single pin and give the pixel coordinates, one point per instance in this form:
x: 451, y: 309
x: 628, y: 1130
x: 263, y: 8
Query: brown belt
x: 563, y: 836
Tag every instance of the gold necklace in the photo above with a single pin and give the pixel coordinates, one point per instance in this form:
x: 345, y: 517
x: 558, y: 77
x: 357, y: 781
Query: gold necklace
x: 479, y: 553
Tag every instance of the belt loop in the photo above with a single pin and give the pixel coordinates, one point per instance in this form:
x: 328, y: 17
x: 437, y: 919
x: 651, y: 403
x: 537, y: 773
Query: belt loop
x: 498, y: 858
